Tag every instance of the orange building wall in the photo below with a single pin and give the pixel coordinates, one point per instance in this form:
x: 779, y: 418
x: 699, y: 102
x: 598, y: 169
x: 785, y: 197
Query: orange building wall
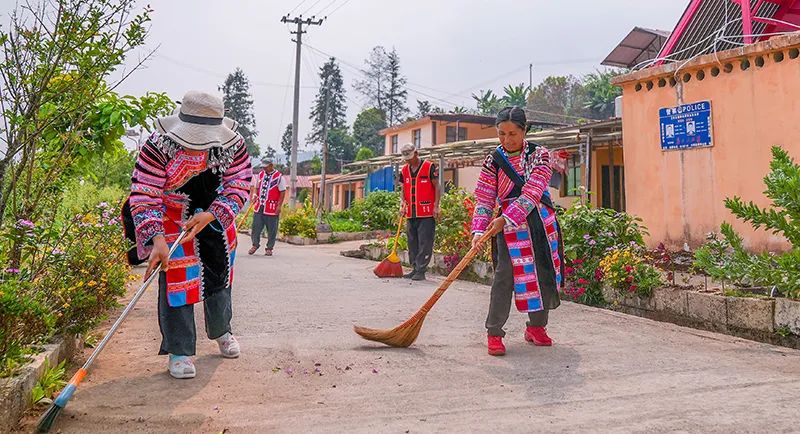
x: 680, y: 194
x: 474, y: 132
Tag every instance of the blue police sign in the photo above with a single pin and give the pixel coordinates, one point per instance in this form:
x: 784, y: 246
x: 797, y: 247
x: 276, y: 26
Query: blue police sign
x: 686, y: 126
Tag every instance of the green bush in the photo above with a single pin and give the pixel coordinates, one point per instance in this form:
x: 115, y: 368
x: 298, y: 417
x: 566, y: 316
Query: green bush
x: 343, y: 224
x: 61, y: 278
x: 589, y: 235
x: 727, y: 260
x: 378, y: 211
x: 453, y: 230
x: 299, y: 222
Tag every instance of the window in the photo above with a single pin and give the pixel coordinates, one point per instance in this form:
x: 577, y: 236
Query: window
x: 451, y: 134
x: 416, y: 138
x: 573, y: 175
x: 395, y: 149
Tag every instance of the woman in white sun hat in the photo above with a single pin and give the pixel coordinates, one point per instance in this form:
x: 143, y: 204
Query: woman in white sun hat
x: 193, y: 173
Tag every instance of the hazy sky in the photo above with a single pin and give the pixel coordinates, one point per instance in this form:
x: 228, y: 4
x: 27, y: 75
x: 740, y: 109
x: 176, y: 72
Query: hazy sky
x: 448, y: 49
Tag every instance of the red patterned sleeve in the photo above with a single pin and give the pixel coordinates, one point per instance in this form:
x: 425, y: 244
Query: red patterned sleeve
x: 147, y: 187
x: 538, y: 179
x: 485, y: 196
x: 236, y: 184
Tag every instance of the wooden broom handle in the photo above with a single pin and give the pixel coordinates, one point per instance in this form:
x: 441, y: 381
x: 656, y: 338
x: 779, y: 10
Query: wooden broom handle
x: 462, y: 264
x: 397, y: 236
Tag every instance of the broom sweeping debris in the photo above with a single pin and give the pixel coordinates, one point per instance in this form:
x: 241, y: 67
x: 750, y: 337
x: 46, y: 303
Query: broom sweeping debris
x: 47, y: 420
x: 406, y: 333
x: 391, y: 266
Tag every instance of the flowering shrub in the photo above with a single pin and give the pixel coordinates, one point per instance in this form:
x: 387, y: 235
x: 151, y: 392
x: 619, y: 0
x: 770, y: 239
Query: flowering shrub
x: 590, y: 234
x: 453, y: 237
x: 58, y: 279
x: 625, y: 270
x: 301, y: 221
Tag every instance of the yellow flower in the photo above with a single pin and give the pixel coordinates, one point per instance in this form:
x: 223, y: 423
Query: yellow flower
x: 92, y: 283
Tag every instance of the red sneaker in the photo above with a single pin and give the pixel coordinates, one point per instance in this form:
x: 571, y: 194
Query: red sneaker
x: 538, y: 335
x: 496, y: 347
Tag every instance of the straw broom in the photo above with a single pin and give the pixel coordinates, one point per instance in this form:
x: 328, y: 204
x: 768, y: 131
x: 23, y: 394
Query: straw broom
x: 406, y: 333
x: 391, y: 266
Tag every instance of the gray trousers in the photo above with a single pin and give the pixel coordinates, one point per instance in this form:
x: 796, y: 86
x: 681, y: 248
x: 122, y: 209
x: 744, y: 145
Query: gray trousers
x: 502, y: 295
x: 421, y: 233
x: 261, y: 221
x: 178, y: 332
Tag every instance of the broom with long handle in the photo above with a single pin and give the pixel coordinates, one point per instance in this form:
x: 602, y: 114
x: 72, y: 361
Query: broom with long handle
x: 244, y: 216
x: 47, y: 420
x: 406, y: 333
x: 391, y: 266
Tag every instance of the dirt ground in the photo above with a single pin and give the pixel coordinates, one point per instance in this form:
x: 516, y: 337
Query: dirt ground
x: 303, y: 369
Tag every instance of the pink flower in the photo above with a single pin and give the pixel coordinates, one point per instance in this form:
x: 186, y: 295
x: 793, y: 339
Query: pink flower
x: 12, y: 270
x: 582, y: 281
x: 25, y: 224
x: 569, y: 271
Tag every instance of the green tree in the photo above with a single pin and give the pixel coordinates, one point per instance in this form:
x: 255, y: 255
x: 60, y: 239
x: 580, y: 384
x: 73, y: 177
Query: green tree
x: 341, y: 149
x: 396, y: 94
x: 366, y: 127
x: 383, y: 85
x: 286, y: 143
x: 558, y: 99
x: 728, y: 259
x: 423, y: 108
x: 600, y: 93
x: 364, y: 154
x: 488, y: 103
x: 375, y: 82
x: 515, y: 95
x: 239, y: 107
x: 332, y: 87
x: 269, y: 155
x: 57, y: 100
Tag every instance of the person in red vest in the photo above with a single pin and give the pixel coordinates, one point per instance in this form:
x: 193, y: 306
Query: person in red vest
x: 267, y: 194
x: 421, y: 193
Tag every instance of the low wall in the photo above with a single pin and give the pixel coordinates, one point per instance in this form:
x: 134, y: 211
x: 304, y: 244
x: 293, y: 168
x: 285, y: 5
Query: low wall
x: 772, y: 320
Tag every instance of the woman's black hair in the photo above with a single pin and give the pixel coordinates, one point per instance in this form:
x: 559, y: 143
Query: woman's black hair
x: 513, y: 114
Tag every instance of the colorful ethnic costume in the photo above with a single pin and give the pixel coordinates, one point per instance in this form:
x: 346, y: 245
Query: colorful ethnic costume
x: 419, y: 192
x: 528, y: 254
x: 266, y: 207
x: 171, y: 183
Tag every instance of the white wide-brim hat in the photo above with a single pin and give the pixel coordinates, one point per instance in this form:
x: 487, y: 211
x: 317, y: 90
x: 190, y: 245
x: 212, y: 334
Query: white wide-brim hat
x: 200, y: 123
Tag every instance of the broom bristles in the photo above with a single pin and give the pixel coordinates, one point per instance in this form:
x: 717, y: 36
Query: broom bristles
x: 401, y: 336
x: 389, y: 267
x: 48, y: 419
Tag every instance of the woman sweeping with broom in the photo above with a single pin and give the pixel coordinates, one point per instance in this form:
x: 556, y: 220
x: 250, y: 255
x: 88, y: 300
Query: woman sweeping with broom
x: 527, y: 252
x: 192, y: 175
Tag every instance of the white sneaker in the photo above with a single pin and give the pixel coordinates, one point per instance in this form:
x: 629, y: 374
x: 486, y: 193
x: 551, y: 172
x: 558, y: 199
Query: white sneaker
x: 181, y: 367
x: 228, y: 346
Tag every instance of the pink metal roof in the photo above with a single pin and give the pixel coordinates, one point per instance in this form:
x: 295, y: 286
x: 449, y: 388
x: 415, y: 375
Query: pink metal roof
x: 716, y: 25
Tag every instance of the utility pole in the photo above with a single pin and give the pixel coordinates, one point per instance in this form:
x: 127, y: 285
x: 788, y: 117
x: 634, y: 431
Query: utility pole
x: 299, y: 21
x: 323, y: 186
x: 530, y: 77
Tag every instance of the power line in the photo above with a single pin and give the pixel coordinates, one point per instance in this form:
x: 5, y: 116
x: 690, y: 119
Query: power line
x: 338, y: 7
x: 310, y: 7
x: 322, y: 11
x: 220, y: 74
x: 297, y: 6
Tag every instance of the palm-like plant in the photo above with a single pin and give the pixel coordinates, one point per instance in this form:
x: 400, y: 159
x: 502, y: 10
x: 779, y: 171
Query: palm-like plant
x: 515, y: 95
x: 488, y: 102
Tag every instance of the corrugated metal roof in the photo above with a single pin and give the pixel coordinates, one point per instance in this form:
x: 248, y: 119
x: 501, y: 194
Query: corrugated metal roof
x: 709, y: 26
x: 640, y: 45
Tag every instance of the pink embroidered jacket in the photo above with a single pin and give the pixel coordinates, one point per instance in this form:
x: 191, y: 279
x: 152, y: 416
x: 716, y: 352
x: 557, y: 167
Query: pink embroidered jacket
x: 494, y: 186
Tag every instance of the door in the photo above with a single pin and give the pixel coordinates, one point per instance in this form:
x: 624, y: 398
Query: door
x: 619, y: 188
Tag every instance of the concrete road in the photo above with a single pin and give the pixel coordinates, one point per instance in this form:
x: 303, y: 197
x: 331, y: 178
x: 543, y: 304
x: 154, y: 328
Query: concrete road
x: 304, y: 370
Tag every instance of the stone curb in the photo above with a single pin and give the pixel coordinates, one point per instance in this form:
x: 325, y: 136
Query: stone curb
x: 15, y: 391
x: 757, y: 319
